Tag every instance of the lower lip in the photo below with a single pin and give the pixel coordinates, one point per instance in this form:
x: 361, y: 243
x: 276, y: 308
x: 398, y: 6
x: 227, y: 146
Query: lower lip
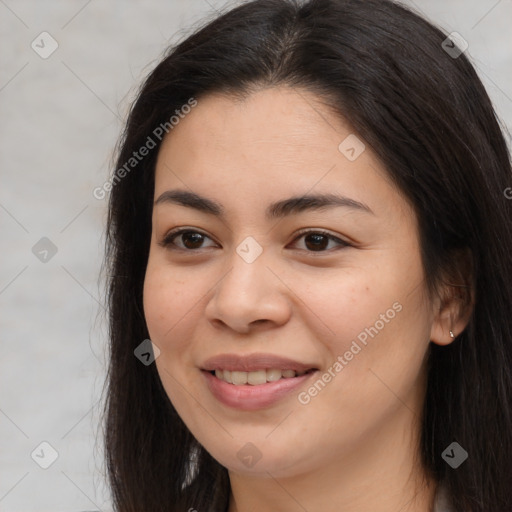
x: 251, y: 398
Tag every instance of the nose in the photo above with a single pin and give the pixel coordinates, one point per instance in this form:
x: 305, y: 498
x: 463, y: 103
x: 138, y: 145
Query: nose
x: 249, y: 295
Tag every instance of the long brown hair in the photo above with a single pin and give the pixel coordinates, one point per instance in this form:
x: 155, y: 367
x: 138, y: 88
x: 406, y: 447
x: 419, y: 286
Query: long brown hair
x: 427, y: 116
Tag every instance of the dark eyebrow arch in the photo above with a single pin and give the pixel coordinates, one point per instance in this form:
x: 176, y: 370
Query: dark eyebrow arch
x: 279, y: 209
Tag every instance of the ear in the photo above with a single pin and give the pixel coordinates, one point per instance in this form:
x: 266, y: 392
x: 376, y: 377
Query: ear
x: 455, y: 302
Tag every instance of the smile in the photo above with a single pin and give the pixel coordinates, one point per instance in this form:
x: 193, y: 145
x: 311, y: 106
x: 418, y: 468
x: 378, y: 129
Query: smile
x: 246, y: 396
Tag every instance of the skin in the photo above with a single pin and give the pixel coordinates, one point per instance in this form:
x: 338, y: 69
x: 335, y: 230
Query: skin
x: 354, y: 446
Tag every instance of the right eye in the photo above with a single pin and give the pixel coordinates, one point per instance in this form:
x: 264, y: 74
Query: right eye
x: 191, y: 239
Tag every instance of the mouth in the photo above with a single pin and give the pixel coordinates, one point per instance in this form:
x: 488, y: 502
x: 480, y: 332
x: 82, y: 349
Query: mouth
x: 256, y: 381
x: 257, y: 395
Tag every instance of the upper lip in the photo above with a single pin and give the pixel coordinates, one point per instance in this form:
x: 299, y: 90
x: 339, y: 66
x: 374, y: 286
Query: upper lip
x: 253, y: 362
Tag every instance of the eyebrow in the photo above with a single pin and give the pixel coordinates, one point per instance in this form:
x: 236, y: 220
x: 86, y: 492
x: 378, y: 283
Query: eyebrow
x: 279, y: 209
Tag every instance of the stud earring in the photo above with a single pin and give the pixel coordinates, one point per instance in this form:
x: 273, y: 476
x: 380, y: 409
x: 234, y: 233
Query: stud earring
x: 452, y: 335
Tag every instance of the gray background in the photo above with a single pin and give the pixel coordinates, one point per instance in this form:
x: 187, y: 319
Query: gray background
x: 60, y: 118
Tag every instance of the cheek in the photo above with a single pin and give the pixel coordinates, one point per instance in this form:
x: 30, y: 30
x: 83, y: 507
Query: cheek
x: 170, y: 301
x: 346, y: 302
x: 383, y: 345
x: 374, y: 317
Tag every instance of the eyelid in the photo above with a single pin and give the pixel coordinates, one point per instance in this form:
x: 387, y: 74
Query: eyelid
x: 166, y: 242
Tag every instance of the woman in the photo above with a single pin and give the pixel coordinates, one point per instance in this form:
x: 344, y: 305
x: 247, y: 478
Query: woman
x: 309, y: 221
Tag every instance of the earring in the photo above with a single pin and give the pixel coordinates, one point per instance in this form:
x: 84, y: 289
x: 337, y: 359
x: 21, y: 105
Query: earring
x: 452, y: 335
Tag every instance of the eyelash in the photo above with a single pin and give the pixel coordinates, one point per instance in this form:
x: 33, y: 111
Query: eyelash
x: 168, y: 242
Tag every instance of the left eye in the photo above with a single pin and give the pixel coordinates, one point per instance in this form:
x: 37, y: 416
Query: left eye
x: 319, y: 240
x: 192, y: 240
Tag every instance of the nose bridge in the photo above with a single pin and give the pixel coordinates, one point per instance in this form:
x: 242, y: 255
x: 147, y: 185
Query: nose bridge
x: 247, y: 277
x: 249, y: 292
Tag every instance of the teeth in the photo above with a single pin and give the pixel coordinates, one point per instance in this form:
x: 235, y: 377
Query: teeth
x: 273, y: 375
x: 239, y: 378
x: 257, y: 377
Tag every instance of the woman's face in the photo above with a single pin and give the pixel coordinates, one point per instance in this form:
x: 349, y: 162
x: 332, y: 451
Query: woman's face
x: 353, y: 307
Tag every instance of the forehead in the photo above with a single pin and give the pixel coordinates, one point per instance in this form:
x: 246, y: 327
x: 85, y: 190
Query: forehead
x: 275, y: 122
x: 277, y: 142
